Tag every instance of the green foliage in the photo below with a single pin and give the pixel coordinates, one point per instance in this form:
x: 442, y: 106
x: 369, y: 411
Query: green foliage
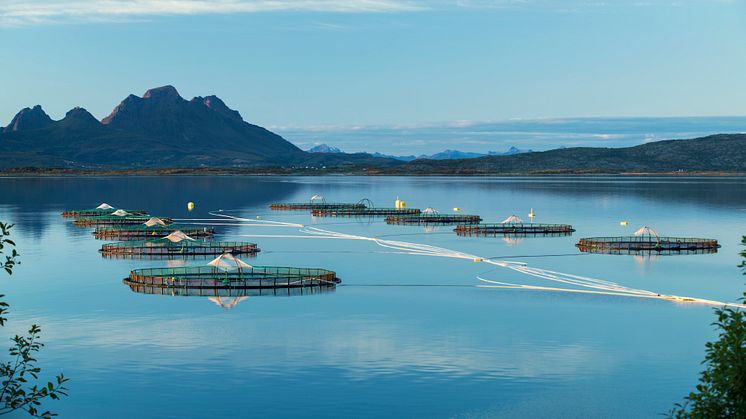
x: 721, y: 392
x: 11, y: 259
x: 18, y: 388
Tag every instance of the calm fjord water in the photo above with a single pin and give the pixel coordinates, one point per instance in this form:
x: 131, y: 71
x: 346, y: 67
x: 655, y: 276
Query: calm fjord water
x: 366, y: 350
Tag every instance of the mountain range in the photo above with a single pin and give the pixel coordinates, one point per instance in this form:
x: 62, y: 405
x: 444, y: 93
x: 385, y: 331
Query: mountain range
x: 443, y: 155
x: 159, y: 129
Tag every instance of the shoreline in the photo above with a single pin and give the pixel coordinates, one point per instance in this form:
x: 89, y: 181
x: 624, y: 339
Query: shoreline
x: 277, y: 171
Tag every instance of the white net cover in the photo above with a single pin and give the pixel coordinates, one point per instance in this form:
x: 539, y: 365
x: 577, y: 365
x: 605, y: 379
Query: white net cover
x: 646, y: 232
x: 429, y: 210
x: 120, y: 213
x: 178, y: 236
x: 154, y: 221
x: 317, y: 198
x: 104, y: 206
x: 513, y: 219
x: 228, y: 262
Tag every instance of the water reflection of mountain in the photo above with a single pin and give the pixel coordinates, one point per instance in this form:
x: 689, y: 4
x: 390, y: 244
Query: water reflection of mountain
x: 710, y: 191
x: 34, y: 203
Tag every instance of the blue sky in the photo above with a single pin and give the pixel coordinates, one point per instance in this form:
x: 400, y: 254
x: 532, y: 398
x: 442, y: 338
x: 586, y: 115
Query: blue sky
x: 295, y: 64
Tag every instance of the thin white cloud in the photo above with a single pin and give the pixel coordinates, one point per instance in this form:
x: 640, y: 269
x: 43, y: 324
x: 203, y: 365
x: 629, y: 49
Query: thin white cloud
x: 29, y: 12
x: 20, y: 12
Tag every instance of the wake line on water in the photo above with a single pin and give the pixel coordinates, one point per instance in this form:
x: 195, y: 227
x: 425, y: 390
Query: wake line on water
x: 587, y: 285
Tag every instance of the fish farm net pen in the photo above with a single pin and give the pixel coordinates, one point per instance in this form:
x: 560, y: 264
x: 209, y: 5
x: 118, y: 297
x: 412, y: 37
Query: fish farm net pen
x: 647, y: 244
x: 214, y: 278
x: 297, y: 206
x: 167, y: 248
x: 433, y: 219
x: 95, y: 212
x: 364, y: 212
x: 116, y: 220
x: 513, y: 229
x: 142, y: 232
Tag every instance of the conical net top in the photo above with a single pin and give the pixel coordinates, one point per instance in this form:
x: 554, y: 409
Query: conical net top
x: 120, y: 213
x: 646, y: 232
x: 317, y: 198
x: 104, y: 206
x: 513, y: 219
x: 177, y: 236
x: 227, y: 262
x: 429, y: 210
x: 154, y: 221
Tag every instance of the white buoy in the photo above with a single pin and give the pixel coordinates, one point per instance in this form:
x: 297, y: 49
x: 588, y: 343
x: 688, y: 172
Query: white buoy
x: 456, y: 209
x: 624, y: 223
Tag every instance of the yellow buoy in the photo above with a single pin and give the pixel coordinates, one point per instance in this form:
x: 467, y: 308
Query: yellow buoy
x: 623, y: 223
x: 477, y: 259
x: 399, y: 204
x: 531, y: 214
x: 190, y: 206
x: 456, y: 209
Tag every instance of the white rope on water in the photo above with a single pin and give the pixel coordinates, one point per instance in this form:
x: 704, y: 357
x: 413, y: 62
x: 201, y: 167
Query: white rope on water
x: 256, y: 221
x: 587, y: 285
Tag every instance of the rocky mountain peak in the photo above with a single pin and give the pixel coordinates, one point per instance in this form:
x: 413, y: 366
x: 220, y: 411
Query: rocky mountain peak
x: 163, y: 92
x: 29, y: 118
x: 216, y: 104
x: 80, y: 117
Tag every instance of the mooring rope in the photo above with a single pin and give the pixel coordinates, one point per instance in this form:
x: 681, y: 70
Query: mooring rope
x: 588, y: 285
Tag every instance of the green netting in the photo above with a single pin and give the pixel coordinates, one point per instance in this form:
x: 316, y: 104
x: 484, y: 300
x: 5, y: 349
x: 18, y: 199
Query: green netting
x: 645, y: 243
x: 433, y: 218
x: 116, y: 220
x: 364, y: 212
x: 315, y: 205
x: 95, y: 212
x: 141, y: 231
x: 513, y: 229
x: 164, y: 247
x: 246, y: 277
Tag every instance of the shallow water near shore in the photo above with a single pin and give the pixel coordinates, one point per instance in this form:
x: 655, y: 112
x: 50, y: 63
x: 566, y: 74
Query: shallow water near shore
x: 403, y: 335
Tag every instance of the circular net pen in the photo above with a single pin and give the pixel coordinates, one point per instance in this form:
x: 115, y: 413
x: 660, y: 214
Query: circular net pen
x: 163, y: 248
x: 433, y: 219
x: 318, y: 202
x: 250, y: 277
x: 144, y: 232
x: 95, y: 212
x: 637, y: 245
x: 114, y: 220
x: 514, y: 229
x: 297, y: 206
x: 364, y: 212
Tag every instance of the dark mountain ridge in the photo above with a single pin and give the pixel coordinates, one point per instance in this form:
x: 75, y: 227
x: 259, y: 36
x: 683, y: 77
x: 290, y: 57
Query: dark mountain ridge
x: 29, y: 118
x: 159, y: 129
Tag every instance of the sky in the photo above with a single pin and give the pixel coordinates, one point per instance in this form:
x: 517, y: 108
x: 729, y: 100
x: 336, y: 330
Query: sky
x: 309, y: 65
